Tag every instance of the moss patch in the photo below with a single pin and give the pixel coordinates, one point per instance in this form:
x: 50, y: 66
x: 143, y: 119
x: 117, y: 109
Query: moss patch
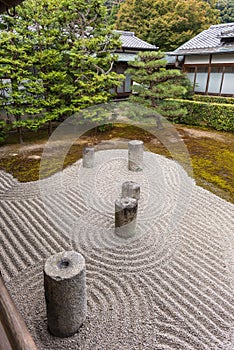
x: 212, y: 157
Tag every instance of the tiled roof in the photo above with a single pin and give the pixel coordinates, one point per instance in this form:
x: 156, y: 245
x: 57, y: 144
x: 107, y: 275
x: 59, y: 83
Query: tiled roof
x: 130, y: 41
x: 229, y: 33
x: 209, y: 41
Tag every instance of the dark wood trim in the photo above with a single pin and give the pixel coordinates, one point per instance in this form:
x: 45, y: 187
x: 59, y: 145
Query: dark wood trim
x: 221, y: 83
x: 208, y: 74
x: 186, y: 65
x: 13, y: 323
x: 222, y: 64
x: 124, y: 50
x: 122, y: 94
x: 136, y: 49
x: 4, y: 5
x: 4, y: 342
x: 195, y: 78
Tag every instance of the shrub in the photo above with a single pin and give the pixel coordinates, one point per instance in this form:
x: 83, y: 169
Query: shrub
x: 213, y: 99
x: 3, y: 126
x: 219, y: 116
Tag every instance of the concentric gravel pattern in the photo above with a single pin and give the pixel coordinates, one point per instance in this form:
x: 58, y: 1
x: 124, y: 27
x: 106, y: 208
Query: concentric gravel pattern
x: 169, y: 287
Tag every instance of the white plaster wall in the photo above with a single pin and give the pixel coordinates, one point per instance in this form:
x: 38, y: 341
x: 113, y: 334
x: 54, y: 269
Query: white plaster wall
x: 223, y: 58
x: 196, y: 59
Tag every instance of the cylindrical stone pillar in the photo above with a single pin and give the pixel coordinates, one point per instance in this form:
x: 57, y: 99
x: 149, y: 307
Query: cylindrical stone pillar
x: 159, y: 125
x: 88, y: 157
x: 125, y: 216
x: 131, y: 189
x: 135, y: 155
x: 65, y: 292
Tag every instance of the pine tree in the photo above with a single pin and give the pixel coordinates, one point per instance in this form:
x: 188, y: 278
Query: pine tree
x: 42, y: 30
x: 56, y: 59
x: 90, y: 58
x: 19, y: 90
x: 113, y: 8
x: 156, y: 84
x: 226, y: 8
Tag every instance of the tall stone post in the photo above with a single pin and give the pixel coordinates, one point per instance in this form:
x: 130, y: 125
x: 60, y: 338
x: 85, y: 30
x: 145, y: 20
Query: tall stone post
x: 135, y: 155
x: 125, y: 217
x: 131, y: 189
x: 88, y: 157
x: 65, y: 292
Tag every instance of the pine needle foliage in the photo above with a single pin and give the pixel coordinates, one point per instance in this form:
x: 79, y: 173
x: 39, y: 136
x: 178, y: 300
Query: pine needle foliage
x: 155, y: 85
x: 56, y: 58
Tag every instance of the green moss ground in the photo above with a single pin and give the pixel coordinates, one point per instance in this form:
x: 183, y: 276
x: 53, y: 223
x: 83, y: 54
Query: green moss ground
x: 213, y: 166
x: 212, y: 157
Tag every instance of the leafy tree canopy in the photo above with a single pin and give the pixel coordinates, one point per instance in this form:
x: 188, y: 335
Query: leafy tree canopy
x: 166, y: 23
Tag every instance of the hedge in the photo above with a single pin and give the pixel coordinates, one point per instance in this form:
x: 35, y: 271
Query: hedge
x: 219, y: 116
x: 213, y: 99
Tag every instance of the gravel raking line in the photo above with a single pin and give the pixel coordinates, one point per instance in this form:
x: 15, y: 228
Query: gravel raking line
x: 169, y: 287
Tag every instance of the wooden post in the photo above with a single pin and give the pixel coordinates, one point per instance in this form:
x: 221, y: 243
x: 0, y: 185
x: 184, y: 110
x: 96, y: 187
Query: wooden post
x: 4, y: 342
x: 13, y: 323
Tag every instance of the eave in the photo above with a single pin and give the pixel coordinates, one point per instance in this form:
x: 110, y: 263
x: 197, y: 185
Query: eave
x: 202, y: 51
x: 8, y: 4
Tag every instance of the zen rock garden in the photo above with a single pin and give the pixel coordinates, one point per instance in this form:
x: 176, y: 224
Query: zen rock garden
x: 64, y: 273
x: 121, y: 250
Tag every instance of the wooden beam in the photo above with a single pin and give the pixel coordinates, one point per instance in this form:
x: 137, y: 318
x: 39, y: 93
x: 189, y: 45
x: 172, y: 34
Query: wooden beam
x: 13, y: 323
x: 4, y: 342
x: 208, y: 74
x: 195, y: 78
x: 222, y: 79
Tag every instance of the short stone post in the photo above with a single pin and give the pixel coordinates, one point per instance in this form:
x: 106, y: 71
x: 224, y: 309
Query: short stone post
x: 88, y: 157
x: 65, y: 292
x: 135, y: 155
x: 131, y: 189
x: 125, y: 216
x: 159, y: 125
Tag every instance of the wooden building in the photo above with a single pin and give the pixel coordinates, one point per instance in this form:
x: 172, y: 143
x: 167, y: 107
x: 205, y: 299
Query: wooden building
x: 131, y: 46
x: 208, y: 59
x: 8, y: 5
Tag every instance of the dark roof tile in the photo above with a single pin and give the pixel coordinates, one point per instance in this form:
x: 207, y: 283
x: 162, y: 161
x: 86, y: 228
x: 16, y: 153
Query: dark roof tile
x: 208, y: 41
x: 130, y: 41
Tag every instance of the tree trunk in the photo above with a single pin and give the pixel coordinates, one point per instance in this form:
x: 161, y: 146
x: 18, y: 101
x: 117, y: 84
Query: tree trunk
x: 49, y: 127
x: 20, y: 136
x: 159, y: 125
